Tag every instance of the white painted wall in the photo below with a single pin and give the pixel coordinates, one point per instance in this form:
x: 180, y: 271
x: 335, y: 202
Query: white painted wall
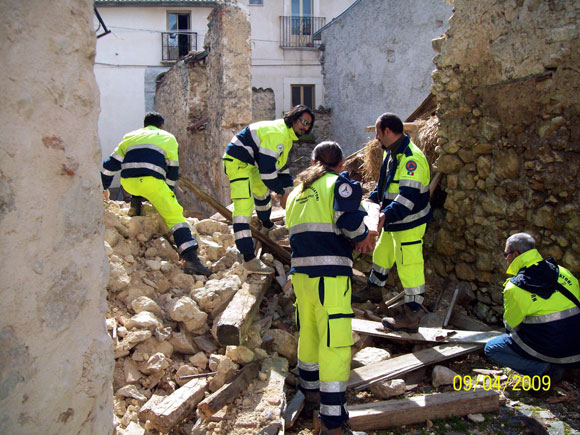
x: 126, y: 57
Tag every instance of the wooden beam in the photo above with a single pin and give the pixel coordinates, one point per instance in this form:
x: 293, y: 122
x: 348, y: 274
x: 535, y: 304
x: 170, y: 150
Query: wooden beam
x: 232, y: 324
x: 418, y: 409
x: 407, y: 126
x: 451, y: 306
x: 276, y: 249
x: 228, y: 393
x: 435, y: 335
x: 174, y: 408
x: 365, y: 376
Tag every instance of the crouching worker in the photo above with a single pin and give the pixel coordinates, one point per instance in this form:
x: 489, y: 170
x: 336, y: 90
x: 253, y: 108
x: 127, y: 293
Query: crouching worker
x: 541, y: 313
x: 148, y: 161
x: 324, y: 216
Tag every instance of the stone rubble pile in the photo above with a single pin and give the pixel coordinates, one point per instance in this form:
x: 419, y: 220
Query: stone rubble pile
x: 161, y: 319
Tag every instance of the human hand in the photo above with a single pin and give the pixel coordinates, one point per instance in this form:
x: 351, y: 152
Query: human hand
x: 283, y: 200
x: 382, y: 219
x: 366, y: 245
x: 106, y: 194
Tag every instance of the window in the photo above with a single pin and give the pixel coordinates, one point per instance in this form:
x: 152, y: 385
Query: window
x: 179, y: 41
x: 302, y: 17
x: 256, y: 2
x: 303, y: 94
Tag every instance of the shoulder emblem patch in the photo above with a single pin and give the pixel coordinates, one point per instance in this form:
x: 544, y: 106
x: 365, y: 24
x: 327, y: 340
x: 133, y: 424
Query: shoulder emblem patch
x: 411, y: 166
x: 345, y: 190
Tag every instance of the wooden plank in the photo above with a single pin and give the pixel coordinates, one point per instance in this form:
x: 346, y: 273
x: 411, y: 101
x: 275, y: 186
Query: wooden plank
x: 233, y: 322
x: 434, y: 335
x: 277, y: 250
x: 293, y: 409
x: 463, y: 321
x: 175, y: 407
x: 451, y: 306
x: 407, y: 126
x: 418, y: 409
x: 228, y: 393
x: 367, y: 375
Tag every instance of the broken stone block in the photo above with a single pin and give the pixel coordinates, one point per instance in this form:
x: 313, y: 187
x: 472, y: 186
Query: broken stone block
x: 441, y: 375
x: 184, y: 309
x: 369, y: 355
x: 205, y: 343
x: 118, y: 276
x: 182, y: 280
x: 225, y: 371
x: 144, y: 320
x: 285, y: 344
x: 130, y: 341
x: 216, y: 294
x: 124, y: 248
x: 143, y: 228
x: 212, y: 250
x: 185, y: 370
x: 182, y: 343
x: 240, y: 354
x: 153, y: 264
x: 156, y: 363
x: 390, y: 388
x: 132, y: 373
x: 132, y: 392
x: 199, y: 360
x: 227, y: 239
x: 153, y: 345
x: 210, y: 226
x: 143, y: 303
x: 111, y: 236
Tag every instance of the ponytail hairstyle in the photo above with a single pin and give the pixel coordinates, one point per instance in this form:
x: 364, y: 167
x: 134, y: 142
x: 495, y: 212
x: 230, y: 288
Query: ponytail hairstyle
x: 326, y: 155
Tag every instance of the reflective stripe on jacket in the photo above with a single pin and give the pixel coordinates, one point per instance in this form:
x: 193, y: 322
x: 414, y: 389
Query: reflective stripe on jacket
x: 403, y: 192
x: 148, y: 151
x: 544, y: 322
x: 266, y: 145
x: 322, y: 220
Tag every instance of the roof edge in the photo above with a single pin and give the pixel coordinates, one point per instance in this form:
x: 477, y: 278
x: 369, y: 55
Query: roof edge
x: 319, y: 31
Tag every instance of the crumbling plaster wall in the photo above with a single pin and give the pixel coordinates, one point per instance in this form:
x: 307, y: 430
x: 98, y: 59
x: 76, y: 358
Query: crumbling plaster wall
x: 215, y: 94
x: 378, y: 57
x: 56, y: 358
x: 509, y: 137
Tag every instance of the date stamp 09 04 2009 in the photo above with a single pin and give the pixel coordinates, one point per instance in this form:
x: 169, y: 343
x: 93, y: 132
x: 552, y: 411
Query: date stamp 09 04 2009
x: 525, y: 383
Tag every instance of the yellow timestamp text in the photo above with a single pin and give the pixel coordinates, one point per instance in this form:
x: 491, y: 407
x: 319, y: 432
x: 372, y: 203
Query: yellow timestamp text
x: 516, y: 382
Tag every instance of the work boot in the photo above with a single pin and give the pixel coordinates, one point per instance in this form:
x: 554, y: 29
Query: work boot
x: 255, y: 265
x: 193, y: 266
x: 407, y: 321
x: 556, y: 374
x: 371, y: 293
x: 311, y: 404
x: 135, y: 209
x: 343, y: 429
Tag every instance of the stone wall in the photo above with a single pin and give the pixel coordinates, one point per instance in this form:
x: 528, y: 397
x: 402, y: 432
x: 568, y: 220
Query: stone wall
x: 263, y: 104
x: 206, y: 100
x: 378, y: 57
x: 509, y: 137
x: 56, y: 359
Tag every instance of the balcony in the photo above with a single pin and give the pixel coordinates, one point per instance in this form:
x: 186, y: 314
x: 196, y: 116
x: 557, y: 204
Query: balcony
x: 297, y: 31
x: 175, y: 45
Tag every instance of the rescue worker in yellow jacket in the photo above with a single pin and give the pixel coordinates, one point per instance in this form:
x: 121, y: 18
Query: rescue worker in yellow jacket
x: 255, y: 163
x: 324, y: 217
x: 403, y: 195
x: 541, y: 313
x: 149, y: 165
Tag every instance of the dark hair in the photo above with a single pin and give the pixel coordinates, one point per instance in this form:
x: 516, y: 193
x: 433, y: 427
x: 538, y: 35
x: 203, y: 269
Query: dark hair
x: 296, y: 113
x: 154, y: 119
x: 326, y: 154
x: 390, y: 121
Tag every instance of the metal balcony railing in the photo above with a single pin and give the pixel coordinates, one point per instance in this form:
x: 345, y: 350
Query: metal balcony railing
x: 297, y: 31
x: 175, y: 45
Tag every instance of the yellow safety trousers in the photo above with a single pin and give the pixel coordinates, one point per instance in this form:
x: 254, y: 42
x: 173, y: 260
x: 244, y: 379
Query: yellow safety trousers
x: 245, y: 182
x: 398, y: 247
x: 158, y: 193
x: 325, y: 337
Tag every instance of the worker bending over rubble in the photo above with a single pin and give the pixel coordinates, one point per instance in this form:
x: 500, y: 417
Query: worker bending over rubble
x: 541, y: 313
x: 149, y: 165
x: 324, y: 215
x: 255, y: 163
x: 403, y: 195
